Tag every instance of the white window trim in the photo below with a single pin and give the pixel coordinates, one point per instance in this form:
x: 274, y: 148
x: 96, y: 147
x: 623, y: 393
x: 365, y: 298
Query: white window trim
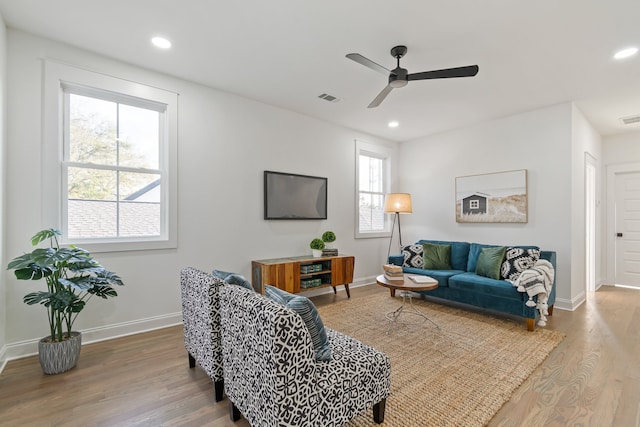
x: 385, y: 154
x: 55, y: 75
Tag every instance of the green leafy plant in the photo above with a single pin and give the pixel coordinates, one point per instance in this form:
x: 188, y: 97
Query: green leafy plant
x: 72, y: 277
x: 328, y: 237
x: 317, y: 244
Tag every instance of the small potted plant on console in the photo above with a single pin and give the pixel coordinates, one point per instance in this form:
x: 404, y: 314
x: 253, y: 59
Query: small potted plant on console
x: 316, y: 245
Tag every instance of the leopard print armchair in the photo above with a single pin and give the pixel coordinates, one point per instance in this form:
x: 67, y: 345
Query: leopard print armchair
x: 271, y: 375
x: 201, y: 319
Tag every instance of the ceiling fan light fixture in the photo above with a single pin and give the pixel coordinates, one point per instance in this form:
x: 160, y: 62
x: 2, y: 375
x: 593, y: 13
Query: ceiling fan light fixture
x: 626, y: 53
x: 161, y: 42
x: 393, y: 124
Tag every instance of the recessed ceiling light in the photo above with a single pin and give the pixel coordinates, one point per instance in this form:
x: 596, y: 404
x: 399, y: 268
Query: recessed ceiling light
x: 161, y: 42
x: 393, y: 124
x: 625, y: 53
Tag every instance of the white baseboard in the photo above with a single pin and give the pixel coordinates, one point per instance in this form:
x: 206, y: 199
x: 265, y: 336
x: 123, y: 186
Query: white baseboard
x: 3, y: 358
x: 572, y: 304
x: 27, y: 348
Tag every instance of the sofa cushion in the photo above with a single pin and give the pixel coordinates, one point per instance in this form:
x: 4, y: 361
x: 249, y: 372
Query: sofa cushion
x: 309, y: 314
x: 413, y: 256
x: 516, y: 260
x: 474, y: 253
x: 436, y: 257
x: 459, y: 252
x: 490, y: 261
x: 471, y: 282
x: 442, y: 276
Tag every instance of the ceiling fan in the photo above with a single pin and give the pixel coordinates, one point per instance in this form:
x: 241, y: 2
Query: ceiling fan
x: 398, y: 77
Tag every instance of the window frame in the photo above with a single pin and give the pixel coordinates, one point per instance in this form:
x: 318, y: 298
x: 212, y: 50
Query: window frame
x: 57, y: 77
x: 384, y: 154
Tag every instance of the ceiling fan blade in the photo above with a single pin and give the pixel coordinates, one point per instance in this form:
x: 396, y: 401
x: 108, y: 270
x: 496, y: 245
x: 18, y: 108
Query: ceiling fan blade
x: 468, y: 71
x: 368, y: 63
x: 381, y: 96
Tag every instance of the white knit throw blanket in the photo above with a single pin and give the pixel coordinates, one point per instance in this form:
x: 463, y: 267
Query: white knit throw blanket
x: 537, y: 280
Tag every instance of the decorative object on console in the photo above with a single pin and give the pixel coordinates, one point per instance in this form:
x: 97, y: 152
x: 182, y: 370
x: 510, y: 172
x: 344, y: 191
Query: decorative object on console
x: 328, y: 237
x: 72, y: 277
x: 316, y: 245
x: 397, y: 203
x: 492, y: 197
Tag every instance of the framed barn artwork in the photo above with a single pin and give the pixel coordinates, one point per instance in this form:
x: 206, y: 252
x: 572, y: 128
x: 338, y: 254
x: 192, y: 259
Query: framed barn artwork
x: 492, y: 197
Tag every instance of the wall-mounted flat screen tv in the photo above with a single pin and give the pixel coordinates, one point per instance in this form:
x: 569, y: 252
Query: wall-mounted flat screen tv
x: 292, y: 196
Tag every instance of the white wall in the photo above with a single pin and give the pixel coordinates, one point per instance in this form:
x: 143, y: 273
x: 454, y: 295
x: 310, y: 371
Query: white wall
x: 621, y: 154
x: 3, y: 87
x: 225, y: 143
x: 539, y: 141
x: 585, y: 140
x: 619, y: 149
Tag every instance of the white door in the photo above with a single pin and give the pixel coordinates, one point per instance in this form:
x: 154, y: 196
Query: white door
x: 627, y: 229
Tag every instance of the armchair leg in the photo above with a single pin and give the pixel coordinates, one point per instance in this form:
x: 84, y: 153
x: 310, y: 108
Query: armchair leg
x: 192, y: 361
x: 218, y: 387
x: 378, y: 411
x: 550, y: 310
x: 234, y: 414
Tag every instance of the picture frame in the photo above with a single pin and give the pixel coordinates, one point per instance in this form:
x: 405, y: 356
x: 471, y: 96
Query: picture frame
x: 499, y: 197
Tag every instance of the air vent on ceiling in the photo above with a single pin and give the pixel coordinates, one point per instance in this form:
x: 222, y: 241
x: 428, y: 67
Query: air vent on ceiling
x: 630, y: 120
x: 328, y: 97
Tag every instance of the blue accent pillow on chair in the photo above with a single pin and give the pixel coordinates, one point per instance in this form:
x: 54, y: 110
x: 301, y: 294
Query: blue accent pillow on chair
x: 305, y: 308
x: 233, y: 279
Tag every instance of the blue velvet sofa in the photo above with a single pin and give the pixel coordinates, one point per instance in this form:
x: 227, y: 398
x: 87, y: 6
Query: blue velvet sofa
x: 462, y: 284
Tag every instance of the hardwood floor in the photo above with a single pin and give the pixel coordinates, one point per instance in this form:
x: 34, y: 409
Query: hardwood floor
x: 592, y: 378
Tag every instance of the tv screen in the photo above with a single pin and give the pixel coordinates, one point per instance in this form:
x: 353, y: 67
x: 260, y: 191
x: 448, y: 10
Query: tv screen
x: 291, y: 196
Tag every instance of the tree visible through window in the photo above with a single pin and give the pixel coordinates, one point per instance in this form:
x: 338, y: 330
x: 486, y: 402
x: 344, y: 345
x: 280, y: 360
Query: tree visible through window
x: 112, y: 165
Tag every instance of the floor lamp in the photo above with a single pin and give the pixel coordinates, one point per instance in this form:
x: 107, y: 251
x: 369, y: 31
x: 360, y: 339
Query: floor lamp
x: 397, y: 203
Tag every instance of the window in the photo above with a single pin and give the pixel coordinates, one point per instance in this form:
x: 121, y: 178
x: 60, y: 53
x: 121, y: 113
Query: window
x: 372, y: 169
x: 115, y: 179
x: 474, y: 204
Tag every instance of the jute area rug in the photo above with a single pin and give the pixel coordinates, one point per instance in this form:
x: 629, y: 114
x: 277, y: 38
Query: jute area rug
x: 459, y: 374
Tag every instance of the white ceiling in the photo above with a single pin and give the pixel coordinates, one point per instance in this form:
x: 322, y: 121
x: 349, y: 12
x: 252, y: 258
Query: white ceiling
x: 287, y: 52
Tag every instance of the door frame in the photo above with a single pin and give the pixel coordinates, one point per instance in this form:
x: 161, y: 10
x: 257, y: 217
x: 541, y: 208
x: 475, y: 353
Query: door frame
x: 591, y: 215
x: 612, y: 171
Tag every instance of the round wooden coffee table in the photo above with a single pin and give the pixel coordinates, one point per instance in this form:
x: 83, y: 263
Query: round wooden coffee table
x: 406, y: 286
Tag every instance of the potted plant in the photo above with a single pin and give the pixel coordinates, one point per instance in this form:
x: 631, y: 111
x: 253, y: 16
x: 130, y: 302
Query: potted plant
x: 328, y: 237
x: 316, y: 245
x: 72, y: 277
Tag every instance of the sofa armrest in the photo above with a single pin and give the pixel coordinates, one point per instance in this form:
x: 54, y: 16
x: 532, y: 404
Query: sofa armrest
x: 551, y: 257
x: 396, y: 259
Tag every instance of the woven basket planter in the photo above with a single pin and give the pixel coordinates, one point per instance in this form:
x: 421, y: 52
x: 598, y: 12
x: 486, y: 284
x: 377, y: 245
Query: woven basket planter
x: 58, y: 357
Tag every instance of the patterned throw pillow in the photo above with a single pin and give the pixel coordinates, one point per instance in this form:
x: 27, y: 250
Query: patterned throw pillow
x: 517, y: 260
x: 305, y: 308
x: 413, y: 256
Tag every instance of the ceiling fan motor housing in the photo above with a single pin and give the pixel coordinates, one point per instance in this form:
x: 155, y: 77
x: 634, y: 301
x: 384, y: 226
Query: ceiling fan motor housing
x: 398, y: 78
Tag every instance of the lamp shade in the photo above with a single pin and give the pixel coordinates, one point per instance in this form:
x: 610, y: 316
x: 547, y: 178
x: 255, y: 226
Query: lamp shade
x: 398, y: 202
